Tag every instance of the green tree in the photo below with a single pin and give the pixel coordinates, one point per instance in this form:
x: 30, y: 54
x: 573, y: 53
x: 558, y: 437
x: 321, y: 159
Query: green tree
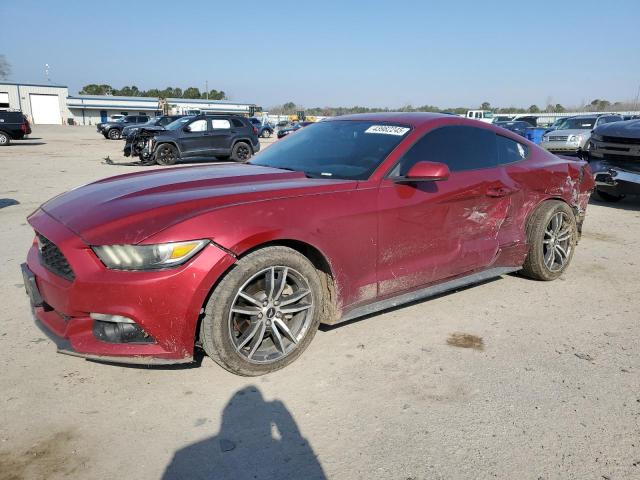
x: 191, y: 92
x: 485, y: 106
x: 5, y: 68
x: 559, y: 108
x: 94, y: 89
x: 534, y: 109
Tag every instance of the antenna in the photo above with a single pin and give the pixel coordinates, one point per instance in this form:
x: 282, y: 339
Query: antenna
x: 46, y: 72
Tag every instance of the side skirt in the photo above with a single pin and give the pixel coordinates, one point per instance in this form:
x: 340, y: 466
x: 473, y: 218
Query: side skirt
x: 427, y: 292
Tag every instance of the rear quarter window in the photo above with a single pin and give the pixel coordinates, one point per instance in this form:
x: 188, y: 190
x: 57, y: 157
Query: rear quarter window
x: 237, y: 123
x: 510, y: 151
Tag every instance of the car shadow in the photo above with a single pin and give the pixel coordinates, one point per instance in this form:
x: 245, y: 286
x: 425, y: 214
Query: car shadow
x: 23, y: 143
x: 631, y: 203
x: 257, y: 439
x: 198, y: 357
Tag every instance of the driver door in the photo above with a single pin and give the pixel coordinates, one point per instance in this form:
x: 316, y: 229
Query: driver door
x: 433, y: 230
x: 195, y: 139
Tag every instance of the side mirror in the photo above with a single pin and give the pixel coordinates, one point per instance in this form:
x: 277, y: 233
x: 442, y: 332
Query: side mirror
x: 187, y: 129
x: 425, y: 172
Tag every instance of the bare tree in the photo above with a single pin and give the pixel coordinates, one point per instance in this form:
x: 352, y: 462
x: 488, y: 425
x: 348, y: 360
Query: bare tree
x: 5, y: 68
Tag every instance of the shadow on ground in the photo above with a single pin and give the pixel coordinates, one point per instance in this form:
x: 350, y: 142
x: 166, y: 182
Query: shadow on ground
x: 258, y: 439
x: 630, y: 202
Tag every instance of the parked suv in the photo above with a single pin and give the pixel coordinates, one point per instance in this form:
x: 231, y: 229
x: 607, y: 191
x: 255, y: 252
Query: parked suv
x: 264, y: 129
x: 615, y: 159
x: 13, y: 126
x: 573, y: 135
x: 202, y: 136
x: 113, y: 130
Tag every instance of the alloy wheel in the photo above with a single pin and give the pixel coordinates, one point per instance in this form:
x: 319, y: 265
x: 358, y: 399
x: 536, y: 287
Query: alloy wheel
x: 557, y: 242
x: 243, y: 153
x: 270, y: 314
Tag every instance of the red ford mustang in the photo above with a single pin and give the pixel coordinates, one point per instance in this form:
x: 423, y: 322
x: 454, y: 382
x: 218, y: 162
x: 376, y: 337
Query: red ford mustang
x: 346, y: 217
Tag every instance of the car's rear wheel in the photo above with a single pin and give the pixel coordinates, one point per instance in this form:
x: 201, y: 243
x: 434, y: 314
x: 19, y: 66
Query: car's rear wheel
x: 241, y: 152
x: 266, y: 133
x: 114, y: 134
x: 264, y: 313
x: 4, y: 139
x: 608, y: 197
x: 166, y: 154
x: 552, y: 235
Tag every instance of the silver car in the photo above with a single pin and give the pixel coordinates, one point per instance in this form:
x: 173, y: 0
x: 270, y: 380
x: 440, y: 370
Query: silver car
x: 573, y: 135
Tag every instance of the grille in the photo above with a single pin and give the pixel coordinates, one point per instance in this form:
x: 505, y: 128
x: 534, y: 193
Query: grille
x: 621, y: 140
x: 556, y: 138
x: 52, y: 258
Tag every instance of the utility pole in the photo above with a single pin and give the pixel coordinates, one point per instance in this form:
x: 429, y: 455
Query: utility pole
x: 206, y: 88
x: 46, y: 72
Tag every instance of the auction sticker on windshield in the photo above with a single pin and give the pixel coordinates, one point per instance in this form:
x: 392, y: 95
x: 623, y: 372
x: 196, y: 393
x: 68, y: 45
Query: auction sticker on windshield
x: 387, y: 130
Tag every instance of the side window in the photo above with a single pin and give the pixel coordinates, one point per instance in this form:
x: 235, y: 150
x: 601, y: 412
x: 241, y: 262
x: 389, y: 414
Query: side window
x: 510, y: 151
x: 198, y: 126
x: 460, y: 147
x: 220, y: 124
x: 4, y: 99
x: 237, y: 123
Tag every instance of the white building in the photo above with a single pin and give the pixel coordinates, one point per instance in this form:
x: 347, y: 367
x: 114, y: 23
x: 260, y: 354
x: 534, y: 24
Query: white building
x: 42, y: 104
x: 52, y: 104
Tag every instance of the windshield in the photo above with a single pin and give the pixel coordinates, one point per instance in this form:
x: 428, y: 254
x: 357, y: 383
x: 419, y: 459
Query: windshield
x: 337, y: 149
x: 578, y: 124
x: 487, y: 115
x: 176, y: 124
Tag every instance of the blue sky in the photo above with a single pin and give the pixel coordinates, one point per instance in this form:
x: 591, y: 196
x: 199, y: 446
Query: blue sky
x: 373, y: 53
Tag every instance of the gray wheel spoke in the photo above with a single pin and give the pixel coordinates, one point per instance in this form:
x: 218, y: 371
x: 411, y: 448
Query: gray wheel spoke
x: 562, y: 253
x: 248, y: 335
x: 270, y: 280
x: 250, y: 299
x: 277, y: 338
x: 257, y: 339
x: 294, y: 297
x: 296, y: 308
x: 285, y: 330
x: 283, y: 283
x: 246, y: 310
x: 564, y: 235
x: 556, y: 222
x: 548, y: 258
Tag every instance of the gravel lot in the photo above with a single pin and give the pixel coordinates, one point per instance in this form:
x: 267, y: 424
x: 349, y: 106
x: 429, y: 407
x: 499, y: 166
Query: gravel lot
x: 547, y: 387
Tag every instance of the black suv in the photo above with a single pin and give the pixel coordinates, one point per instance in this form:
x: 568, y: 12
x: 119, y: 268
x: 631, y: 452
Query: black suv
x: 13, y: 126
x: 113, y: 130
x: 201, y: 136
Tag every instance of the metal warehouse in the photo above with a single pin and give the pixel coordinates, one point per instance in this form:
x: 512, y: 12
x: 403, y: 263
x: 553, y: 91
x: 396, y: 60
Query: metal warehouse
x: 52, y: 105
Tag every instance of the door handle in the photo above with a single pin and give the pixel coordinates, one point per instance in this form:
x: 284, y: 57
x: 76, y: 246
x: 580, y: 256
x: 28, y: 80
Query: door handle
x: 499, y: 192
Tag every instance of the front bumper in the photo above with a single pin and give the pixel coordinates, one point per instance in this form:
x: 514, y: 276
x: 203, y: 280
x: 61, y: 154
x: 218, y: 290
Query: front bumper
x: 166, y: 304
x: 617, y: 181
x: 561, y: 147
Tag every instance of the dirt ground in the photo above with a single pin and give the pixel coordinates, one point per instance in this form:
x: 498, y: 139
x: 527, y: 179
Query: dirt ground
x: 512, y: 379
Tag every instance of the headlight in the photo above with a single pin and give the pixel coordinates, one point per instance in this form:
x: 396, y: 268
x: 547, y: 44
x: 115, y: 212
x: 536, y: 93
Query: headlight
x: 148, y: 257
x: 575, y: 138
x: 545, y: 138
x: 596, y: 137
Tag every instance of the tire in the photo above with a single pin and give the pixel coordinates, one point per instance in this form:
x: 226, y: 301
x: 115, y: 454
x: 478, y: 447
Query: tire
x: 114, y: 134
x: 222, y: 331
x: 608, y: 197
x: 241, y: 152
x: 166, y: 154
x: 4, y: 139
x: 551, y: 243
x: 266, y: 133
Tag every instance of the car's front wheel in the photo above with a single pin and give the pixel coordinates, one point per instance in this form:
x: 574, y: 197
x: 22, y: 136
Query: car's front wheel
x: 264, y: 313
x: 4, y: 139
x: 166, y: 154
x: 552, y: 234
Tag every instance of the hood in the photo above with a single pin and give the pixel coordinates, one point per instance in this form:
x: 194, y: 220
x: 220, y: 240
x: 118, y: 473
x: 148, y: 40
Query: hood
x: 626, y: 129
x: 569, y: 132
x: 129, y: 208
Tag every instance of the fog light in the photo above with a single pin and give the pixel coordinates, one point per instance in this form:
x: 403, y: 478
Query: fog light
x: 112, y: 332
x: 105, y: 317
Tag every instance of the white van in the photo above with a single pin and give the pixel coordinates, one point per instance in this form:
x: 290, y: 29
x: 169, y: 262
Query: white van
x: 482, y: 115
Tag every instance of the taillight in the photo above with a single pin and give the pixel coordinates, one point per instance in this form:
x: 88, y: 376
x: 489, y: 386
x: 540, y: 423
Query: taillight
x: 255, y: 130
x: 23, y: 127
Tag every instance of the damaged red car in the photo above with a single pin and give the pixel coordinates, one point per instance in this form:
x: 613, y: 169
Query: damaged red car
x: 349, y: 216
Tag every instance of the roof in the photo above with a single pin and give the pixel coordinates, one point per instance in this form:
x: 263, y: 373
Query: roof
x: 111, y: 97
x: 48, y: 85
x: 409, y: 118
x: 205, y: 101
